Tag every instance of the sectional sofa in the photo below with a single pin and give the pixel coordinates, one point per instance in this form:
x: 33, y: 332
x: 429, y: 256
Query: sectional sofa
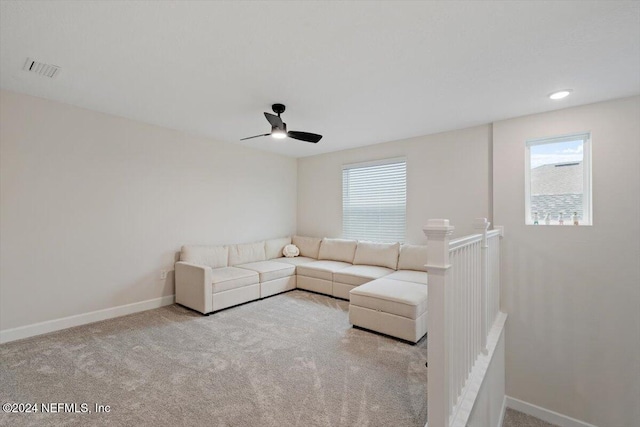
x: 384, y: 282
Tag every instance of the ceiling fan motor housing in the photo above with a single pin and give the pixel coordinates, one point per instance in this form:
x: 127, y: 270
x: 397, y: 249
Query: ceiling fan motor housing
x: 278, y: 108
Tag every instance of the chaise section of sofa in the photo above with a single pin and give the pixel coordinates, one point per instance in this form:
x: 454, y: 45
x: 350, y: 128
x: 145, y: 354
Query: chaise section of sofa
x: 392, y: 307
x: 395, y: 304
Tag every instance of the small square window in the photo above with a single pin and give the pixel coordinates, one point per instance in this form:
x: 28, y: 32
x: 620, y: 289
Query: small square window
x: 558, y: 180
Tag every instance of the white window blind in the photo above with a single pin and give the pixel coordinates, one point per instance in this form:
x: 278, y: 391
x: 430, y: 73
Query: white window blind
x: 374, y: 200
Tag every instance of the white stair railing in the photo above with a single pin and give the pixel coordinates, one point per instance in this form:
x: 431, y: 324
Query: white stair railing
x: 464, y: 298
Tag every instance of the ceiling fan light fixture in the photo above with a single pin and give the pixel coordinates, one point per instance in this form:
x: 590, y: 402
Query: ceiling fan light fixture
x: 278, y: 134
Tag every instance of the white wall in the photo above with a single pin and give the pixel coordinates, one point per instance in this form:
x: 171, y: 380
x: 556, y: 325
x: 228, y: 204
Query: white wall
x: 573, y: 293
x: 93, y: 206
x: 448, y: 176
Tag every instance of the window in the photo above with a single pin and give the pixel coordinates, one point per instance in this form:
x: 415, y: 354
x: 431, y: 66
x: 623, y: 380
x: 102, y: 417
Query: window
x: 374, y: 200
x: 558, y: 180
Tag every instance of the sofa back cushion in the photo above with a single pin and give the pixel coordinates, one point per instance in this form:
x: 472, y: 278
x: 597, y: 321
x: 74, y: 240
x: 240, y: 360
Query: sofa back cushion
x: 247, y: 252
x: 338, y: 250
x: 309, y: 246
x: 380, y: 254
x: 273, y: 247
x: 212, y: 256
x: 412, y: 257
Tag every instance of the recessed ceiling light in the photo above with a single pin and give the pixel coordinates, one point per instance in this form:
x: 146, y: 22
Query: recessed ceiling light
x: 560, y: 94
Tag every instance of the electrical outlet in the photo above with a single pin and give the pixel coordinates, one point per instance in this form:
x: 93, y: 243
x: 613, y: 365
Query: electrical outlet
x: 163, y: 274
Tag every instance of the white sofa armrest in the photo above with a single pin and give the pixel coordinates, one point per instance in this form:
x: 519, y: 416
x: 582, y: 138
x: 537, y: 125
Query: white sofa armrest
x: 193, y: 286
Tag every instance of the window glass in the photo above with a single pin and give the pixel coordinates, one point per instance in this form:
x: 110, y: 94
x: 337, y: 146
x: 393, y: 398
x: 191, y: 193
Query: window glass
x: 558, y: 181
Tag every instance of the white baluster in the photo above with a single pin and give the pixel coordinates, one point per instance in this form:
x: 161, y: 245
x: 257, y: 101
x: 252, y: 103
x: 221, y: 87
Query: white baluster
x: 483, y: 225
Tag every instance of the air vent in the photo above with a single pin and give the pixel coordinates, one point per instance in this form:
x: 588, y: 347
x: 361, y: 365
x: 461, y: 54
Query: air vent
x: 45, y: 70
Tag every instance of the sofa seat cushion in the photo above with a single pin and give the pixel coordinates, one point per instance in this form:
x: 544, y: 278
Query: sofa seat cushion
x: 397, y: 297
x: 358, y: 274
x: 409, y: 276
x: 227, y: 278
x: 296, y: 260
x: 270, y: 270
x: 321, y: 269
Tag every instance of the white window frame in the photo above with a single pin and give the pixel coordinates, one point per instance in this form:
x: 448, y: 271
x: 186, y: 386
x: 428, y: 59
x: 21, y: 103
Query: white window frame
x: 381, y: 162
x: 587, y: 212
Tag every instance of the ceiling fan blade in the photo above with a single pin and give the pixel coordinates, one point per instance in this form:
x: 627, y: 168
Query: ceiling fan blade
x: 257, y: 136
x: 274, y: 120
x: 304, y: 136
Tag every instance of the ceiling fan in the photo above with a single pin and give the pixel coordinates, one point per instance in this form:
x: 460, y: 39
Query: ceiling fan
x: 279, y: 128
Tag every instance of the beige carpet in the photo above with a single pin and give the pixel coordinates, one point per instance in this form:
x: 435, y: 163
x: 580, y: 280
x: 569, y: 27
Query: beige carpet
x: 290, y: 360
x: 513, y: 418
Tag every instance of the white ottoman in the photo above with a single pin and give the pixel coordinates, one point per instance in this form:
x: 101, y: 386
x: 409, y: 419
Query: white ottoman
x: 392, y: 307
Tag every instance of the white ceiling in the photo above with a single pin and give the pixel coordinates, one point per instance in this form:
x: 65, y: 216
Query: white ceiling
x: 359, y: 73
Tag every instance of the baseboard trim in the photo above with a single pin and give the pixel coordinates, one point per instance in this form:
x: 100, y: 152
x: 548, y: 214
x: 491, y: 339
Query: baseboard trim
x: 502, y: 411
x: 544, y: 414
x: 27, y: 331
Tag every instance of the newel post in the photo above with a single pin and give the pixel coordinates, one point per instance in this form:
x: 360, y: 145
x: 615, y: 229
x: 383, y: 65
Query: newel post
x: 438, y: 232
x: 482, y: 225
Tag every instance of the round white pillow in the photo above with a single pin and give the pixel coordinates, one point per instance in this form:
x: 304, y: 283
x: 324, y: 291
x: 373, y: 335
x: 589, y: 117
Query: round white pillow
x: 291, y: 251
